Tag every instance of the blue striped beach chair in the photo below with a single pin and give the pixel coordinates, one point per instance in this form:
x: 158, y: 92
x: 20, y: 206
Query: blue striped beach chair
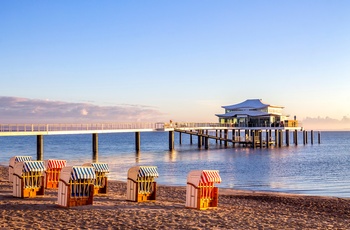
x: 13, y: 161
x: 101, y: 181
x: 141, y: 185
x: 76, y: 186
x: 28, y: 179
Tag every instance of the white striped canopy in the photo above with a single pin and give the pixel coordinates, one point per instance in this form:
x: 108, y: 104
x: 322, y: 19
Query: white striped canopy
x: 148, y: 171
x: 23, y: 158
x: 82, y: 172
x: 100, y: 167
x: 56, y: 164
x: 33, y: 166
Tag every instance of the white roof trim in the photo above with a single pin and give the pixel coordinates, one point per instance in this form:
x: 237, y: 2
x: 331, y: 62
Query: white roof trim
x: 250, y: 104
x: 245, y: 113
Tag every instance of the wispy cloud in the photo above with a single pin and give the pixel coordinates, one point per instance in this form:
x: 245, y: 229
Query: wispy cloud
x: 326, y: 123
x: 24, y: 110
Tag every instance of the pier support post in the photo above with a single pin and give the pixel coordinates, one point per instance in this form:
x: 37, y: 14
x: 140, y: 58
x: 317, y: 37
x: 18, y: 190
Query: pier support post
x: 94, y: 147
x: 253, y: 139
x: 206, y: 142
x: 180, y: 138
x: 261, y: 139
x: 312, y: 137
x: 296, y: 137
x: 276, y: 137
x: 267, y: 139
x: 216, y: 134
x: 220, y: 136
x: 280, y: 138
x: 171, y: 140
x: 199, y: 138
x: 191, y: 141
x: 226, y: 137
x: 233, y: 137
x: 304, y: 137
x: 40, y: 147
x: 319, y: 137
x: 287, y: 137
x: 137, y: 141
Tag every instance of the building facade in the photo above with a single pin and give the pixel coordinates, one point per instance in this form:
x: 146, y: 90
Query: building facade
x: 254, y: 113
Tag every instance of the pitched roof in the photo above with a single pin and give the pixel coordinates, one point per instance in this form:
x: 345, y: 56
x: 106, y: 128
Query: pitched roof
x: 244, y: 113
x: 249, y: 104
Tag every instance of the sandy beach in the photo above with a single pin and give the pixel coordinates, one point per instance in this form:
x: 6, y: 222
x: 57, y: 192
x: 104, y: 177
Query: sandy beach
x: 236, y: 210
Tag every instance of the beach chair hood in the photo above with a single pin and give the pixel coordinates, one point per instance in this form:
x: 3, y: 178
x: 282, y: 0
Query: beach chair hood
x: 197, y: 177
x: 77, y: 172
x: 142, y: 171
x: 29, y: 166
x: 99, y: 167
x: 55, y: 164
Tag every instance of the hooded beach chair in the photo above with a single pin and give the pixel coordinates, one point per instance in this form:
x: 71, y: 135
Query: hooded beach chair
x: 76, y: 186
x: 53, y: 171
x: 13, y: 161
x: 140, y: 184
x: 101, y: 182
x: 28, y: 179
x: 200, y: 190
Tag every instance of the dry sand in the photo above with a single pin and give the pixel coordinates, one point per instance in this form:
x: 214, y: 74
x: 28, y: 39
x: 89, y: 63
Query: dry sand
x: 237, y: 210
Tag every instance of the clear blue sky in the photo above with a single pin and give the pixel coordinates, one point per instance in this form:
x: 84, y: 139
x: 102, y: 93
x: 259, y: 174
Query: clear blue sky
x: 182, y: 60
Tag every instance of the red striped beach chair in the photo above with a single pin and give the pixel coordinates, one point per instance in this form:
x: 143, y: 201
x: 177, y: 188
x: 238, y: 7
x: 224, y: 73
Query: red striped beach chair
x: 200, y: 190
x: 53, y: 171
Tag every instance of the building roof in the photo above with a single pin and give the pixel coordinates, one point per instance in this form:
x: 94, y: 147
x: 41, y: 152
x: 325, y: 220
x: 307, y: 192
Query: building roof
x: 249, y: 104
x: 250, y: 113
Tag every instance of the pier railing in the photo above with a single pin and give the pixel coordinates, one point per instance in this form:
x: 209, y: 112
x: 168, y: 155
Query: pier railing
x: 78, y: 127
x: 227, y: 125
x: 159, y: 126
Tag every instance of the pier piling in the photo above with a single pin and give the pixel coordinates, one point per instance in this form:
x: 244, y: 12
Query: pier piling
x: 137, y: 141
x: 287, y: 137
x: 199, y: 139
x: 206, y: 142
x: 40, y: 147
x: 171, y: 140
x: 226, y: 138
x: 94, y: 147
x: 276, y: 137
x: 319, y: 137
x: 253, y: 139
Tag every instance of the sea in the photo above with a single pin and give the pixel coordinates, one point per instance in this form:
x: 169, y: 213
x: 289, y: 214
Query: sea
x: 321, y: 169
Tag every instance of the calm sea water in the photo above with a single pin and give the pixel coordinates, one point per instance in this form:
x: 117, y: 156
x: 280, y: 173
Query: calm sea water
x: 318, y: 169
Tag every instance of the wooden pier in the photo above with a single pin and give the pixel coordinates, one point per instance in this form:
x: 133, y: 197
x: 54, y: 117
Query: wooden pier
x: 225, y: 134
x: 247, y: 137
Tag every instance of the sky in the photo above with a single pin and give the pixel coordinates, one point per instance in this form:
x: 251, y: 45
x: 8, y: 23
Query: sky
x: 80, y: 61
